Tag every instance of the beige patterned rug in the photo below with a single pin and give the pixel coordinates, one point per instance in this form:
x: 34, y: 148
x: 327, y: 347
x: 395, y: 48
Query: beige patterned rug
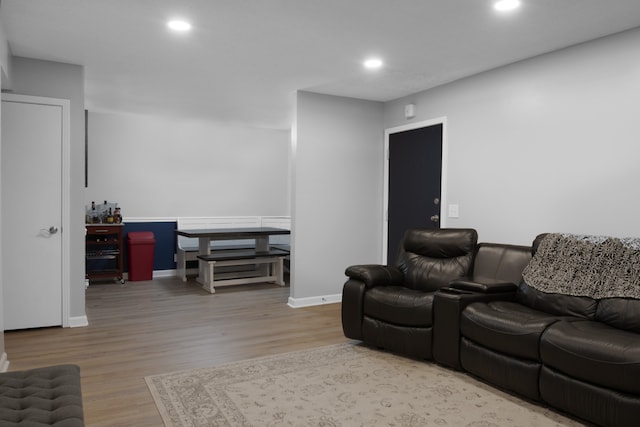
x: 345, y: 385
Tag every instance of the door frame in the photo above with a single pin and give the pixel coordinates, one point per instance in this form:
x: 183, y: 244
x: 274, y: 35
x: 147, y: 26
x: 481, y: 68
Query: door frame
x: 443, y: 179
x: 65, y: 183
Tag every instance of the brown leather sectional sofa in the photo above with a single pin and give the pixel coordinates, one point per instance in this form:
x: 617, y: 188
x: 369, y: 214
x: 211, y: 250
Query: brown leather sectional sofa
x: 465, y: 305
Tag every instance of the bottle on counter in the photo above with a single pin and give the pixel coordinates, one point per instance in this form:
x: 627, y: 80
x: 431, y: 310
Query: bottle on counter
x: 110, y: 217
x: 117, y: 216
x: 105, y: 212
x: 95, y: 219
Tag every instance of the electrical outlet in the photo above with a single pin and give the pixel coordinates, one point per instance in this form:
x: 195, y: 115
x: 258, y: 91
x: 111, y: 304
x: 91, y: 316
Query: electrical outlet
x: 454, y: 211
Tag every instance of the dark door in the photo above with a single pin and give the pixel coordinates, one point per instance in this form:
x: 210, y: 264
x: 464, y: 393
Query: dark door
x: 415, y: 174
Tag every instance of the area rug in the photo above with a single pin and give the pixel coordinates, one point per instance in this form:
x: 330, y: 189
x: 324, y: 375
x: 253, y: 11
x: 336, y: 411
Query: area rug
x: 345, y: 385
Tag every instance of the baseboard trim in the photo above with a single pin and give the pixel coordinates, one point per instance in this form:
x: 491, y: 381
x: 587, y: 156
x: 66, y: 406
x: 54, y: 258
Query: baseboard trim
x: 4, y: 362
x: 156, y: 274
x: 311, y: 301
x: 164, y: 273
x: 78, y: 322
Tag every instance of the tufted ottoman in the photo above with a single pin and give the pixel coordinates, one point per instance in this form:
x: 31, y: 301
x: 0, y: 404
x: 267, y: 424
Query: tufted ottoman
x: 48, y: 396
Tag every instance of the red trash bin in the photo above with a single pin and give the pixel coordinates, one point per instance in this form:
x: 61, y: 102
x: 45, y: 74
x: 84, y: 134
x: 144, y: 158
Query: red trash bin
x: 141, y: 245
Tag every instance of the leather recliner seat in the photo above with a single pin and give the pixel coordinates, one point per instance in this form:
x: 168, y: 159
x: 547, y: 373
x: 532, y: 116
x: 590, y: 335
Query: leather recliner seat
x: 591, y: 367
x: 496, y: 269
x: 577, y: 354
x: 501, y: 339
x: 391, y: 307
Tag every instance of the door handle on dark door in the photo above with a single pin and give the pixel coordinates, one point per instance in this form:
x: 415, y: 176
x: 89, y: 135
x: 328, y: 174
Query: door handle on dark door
x: 435, y: 218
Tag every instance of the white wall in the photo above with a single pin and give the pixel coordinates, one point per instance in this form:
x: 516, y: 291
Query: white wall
x: 65, y: 81
x: 548, y: 144
x: 5, y: 60
x: 4, y: 81
x: 337, y: 192
x: 169, y: 167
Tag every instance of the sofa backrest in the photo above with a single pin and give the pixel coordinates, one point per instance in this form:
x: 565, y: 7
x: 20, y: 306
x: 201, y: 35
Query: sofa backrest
x: 618, y: 312
x: 621, y: 313
x: 494, y: 261
x: 430, y: 259
x: 558, y: 304
x: 536, y: 242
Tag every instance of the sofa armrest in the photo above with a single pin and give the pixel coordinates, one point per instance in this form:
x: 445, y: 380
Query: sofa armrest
x: 375, y: 275
x: 352, y: 308
x: 448, y: 304
x: 484, y: 286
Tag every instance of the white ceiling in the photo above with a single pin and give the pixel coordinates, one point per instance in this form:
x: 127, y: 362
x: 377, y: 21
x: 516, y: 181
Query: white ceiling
x: 244, y: 59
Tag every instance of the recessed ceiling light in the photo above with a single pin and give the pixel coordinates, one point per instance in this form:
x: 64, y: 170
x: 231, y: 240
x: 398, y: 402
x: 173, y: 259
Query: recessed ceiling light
x: 373, y: 63
x: 178, y: 25
x: 504, y: 5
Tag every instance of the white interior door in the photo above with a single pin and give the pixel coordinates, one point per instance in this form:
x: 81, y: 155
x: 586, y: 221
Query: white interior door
x: 33, y: 135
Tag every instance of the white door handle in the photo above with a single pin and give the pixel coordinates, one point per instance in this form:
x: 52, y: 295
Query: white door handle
x: 48, y: 232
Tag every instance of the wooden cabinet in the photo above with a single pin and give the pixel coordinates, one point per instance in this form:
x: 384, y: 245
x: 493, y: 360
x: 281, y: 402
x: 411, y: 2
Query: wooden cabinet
x: 104, y: 249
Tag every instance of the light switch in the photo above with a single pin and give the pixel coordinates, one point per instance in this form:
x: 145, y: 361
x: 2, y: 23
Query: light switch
x: 454, y: 211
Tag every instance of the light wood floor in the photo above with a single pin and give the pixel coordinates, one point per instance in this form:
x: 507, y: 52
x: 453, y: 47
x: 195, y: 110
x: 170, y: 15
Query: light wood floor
x: 160, y: 326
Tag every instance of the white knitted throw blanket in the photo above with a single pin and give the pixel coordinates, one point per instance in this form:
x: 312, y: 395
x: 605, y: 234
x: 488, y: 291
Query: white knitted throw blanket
x: 581, y: 265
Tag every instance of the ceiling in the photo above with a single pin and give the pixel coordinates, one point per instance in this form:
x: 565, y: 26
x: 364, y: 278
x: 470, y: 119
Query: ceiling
x: 244, y: 60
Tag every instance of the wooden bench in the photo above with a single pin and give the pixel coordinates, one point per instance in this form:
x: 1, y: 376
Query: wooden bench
x: 187, y: 249
x: 269, y: 267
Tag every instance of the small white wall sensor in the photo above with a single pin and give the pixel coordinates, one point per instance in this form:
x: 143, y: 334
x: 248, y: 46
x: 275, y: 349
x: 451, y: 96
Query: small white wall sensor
x: 410, y: 111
